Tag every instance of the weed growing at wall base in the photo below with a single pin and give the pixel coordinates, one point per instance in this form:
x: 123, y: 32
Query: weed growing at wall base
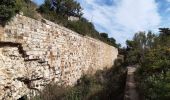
x: 104, y: 85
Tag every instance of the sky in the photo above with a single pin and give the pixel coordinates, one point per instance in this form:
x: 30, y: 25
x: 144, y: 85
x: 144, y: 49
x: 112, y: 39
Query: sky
x: 121, y: 19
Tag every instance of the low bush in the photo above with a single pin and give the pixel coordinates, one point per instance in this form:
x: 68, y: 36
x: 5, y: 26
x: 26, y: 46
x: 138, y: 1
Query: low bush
x: 82, y: 26
x: 9, y: 8
x: 104, y: 85
x: 29, y: 8
x: 153, y: 86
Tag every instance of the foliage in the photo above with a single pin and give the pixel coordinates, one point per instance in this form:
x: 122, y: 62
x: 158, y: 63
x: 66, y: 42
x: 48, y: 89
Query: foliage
x: 58, y: 14
x: 82, y: 26
x: 104, y: 35
x: 152, y: 53
x: 65, y: 7
x: 104, y: 85
x: 51, y: 15
x: 7, y: 10
x: 69, y: 8
x: 137, y: 48
x: 28, y: 8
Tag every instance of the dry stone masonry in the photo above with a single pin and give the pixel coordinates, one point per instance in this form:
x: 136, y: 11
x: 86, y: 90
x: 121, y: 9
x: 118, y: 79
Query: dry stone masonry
x: 35, y: 53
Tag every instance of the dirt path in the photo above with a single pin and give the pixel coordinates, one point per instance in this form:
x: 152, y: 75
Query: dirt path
x: 131, y: 92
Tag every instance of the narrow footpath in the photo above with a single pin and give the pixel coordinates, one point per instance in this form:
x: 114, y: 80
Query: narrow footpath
x: 130, y: 91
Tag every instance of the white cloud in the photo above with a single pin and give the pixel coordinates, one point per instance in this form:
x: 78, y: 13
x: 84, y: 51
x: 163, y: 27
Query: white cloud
x: 137, y: 15
x: 122, y: 19
x: 168, y: 0
x: 167, y: 10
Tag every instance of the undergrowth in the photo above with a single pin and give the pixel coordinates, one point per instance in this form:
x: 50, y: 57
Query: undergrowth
x: 104, y: 85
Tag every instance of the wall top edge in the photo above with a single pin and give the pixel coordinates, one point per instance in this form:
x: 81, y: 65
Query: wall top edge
x: 50, y: 23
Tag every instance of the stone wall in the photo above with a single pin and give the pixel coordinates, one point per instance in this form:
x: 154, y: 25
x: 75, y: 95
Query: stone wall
x: 35, y: 53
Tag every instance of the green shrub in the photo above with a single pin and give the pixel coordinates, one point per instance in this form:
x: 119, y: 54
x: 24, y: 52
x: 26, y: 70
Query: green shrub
x: 28, y: 8
x: 108, y: 84
x: 7, y: 10
x: 82, y: 26
x: 51, y: 92
x: 153, y: 87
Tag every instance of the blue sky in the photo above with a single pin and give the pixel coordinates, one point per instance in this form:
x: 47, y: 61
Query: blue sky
x: 121, y: 19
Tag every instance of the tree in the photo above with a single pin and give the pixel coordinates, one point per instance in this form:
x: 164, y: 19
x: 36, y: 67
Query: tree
x: 150, y: 39
x: 63, y: 7
x: 154, y: 55
x: 140, y: 39
x: 136, y: 48
x: 104, y: 35
x: 132, y: 56
x: 131, y: 44
x: 73, y: 8
x: 45, y: 8
x: 164, y: 37
x: 164, y: 31
x: 113, y: 42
